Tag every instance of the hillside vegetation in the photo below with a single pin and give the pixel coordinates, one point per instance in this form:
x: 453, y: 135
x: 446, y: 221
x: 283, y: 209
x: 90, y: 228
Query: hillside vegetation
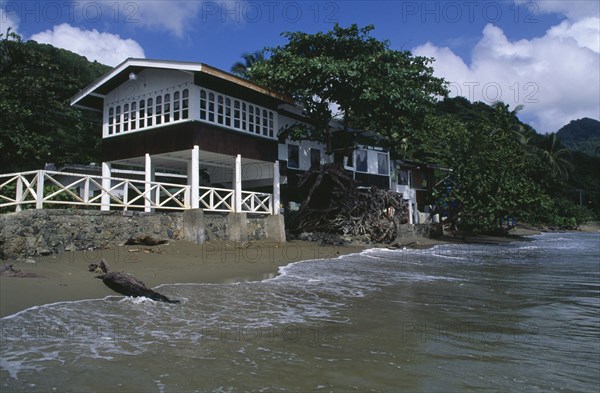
x: 499, y: 166
x: 581, y: 135
x: 37, y: 123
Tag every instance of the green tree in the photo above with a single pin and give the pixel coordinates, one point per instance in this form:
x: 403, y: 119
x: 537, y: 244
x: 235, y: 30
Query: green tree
x: 37, y: 123
x: 348, y: 75
x: 241, y: 68
x: 556, y: 157
x: 488, y: 179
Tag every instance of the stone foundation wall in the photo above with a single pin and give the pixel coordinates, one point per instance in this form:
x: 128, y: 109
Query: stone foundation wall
x: 215, y: 226
x: 51, y: 231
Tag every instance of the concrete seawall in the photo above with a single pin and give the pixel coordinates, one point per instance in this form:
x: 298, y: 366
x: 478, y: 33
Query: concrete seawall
x: 51, y: 231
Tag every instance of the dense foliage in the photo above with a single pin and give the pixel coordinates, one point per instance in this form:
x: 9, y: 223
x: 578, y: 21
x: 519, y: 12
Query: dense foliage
x: 349, y: 75
x: 496, y: 166
x: 499, y: 168
x: 241, y: 68
x: 37, y: 123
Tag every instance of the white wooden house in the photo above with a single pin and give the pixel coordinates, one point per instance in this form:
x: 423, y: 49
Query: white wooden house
x: 185, y: 135
x: 190, y: 118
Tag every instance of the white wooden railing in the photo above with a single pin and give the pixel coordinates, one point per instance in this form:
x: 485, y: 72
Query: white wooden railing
x: 217, y: 199
x: 38, y: 188
x: 256, y: 202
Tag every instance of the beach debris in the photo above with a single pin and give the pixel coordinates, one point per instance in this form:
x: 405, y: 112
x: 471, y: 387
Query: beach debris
x: 8, y: 270
x: 126, y: 284
x: 145, y: 240
x: 333, y: 203
x: 146, y: 250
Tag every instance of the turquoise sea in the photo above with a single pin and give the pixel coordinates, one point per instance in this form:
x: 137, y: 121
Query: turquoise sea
x: 522, y: 316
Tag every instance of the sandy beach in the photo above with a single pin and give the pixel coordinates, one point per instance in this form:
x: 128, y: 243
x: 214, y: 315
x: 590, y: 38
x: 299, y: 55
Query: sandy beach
x: 66, y: 277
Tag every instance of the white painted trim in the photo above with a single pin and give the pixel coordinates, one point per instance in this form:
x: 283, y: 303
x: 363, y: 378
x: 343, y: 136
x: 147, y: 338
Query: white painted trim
x: 232, y: 114
x: 145, y: 128
x: 133, y: 62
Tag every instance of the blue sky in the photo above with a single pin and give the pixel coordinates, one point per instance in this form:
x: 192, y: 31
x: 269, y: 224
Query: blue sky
x: 541, y: 54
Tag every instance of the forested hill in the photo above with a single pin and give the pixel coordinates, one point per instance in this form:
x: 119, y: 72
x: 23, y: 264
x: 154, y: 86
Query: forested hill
x: 582, y: 135
x: 37, y: 123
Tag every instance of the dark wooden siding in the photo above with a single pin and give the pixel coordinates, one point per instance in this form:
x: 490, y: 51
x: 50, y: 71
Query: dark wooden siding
x: 183, y: 137
x: 371, y: 180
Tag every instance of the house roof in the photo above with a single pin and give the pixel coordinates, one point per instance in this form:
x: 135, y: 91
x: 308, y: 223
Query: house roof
x: 92, y: 97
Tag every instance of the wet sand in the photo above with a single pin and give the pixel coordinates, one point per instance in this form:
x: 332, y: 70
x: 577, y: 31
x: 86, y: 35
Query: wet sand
x: 66, y: 277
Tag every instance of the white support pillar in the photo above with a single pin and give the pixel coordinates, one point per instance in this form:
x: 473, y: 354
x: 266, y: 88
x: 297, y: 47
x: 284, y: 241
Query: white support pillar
x: 149, y: 177
x: 106, y: 184
x: 276, y: 189
x: 410, y: 212
x: 193, y: 174
x: 237, y: 184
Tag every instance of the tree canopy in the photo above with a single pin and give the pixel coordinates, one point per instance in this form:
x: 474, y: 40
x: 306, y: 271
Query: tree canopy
x: 241, y: 68
x: 37, y: 123
x: 498, y: 168
x: 348, y: 75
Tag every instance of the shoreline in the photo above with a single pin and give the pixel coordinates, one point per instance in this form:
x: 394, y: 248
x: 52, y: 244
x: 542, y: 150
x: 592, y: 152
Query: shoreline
x: 65, y: 277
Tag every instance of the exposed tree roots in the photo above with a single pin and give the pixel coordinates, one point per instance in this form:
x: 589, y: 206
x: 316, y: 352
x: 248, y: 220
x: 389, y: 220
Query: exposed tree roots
x: 334, y: 204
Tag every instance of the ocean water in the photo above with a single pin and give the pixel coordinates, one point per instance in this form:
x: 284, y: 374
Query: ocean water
x: 523, y: 316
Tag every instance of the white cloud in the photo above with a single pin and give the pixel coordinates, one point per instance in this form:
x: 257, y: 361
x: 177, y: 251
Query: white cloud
x: 554, y: 76
x: 572, y: 9
x: 8, y: 20
x: 106, y: 48
x: 174, y: 16
x: 585, y: 32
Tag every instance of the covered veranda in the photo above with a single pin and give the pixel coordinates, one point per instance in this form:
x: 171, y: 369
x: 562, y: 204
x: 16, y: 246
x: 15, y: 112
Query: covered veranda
x: 198, y: 179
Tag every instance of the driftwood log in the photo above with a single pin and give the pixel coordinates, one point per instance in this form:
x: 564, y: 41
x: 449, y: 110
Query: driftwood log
x: 334, y: 204
x: 145, y: 240
x: 126, y: 284
x: 8, y: 270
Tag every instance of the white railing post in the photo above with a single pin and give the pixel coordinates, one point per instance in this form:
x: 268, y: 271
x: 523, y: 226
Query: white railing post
x: 237, y: 185
x: 276, y: 189
x: 158, y: 191
x: 105, y: 199
x: 125, y: 194
x: 86, y: 190
x: 19, y: 194
x: 187, y: 198
x: 148, y: 178
x: 39, y: 197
